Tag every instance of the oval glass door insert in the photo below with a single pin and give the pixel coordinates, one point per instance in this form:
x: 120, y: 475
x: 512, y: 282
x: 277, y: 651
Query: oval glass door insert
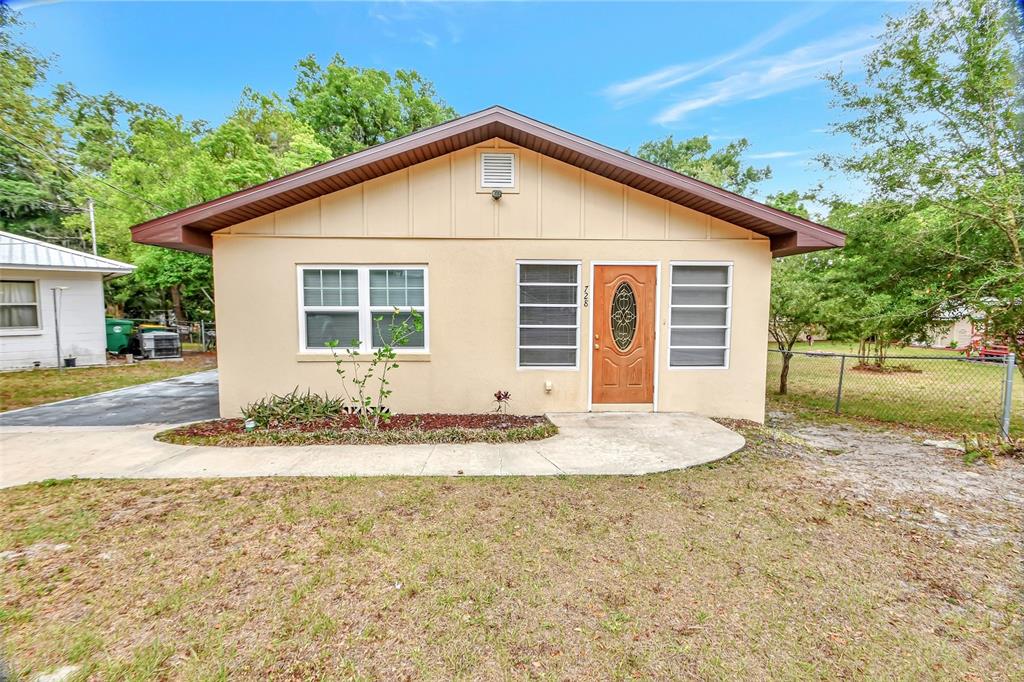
x: 623, y: 316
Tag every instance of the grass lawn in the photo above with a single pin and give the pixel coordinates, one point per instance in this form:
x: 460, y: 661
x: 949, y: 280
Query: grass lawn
x: 750, y: 568
x: 949, y: 394
x: 34, y: 387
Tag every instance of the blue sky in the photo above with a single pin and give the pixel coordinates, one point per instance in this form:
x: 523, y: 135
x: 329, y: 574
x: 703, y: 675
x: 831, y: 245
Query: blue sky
x: 616, y: 73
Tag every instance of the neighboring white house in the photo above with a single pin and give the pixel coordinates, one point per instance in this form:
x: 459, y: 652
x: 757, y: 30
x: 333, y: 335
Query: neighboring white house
x: 960, y: 332
x: 34, y: 276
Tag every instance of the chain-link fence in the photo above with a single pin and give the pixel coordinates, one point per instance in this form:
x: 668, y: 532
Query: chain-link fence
x: 951, y: 392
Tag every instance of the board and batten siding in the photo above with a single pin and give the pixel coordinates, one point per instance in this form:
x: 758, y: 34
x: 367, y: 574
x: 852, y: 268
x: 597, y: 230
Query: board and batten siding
x: 82, y: 328
x: 441, y: 198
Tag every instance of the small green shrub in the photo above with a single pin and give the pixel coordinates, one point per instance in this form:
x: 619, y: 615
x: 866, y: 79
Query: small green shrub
x: 292, y: 408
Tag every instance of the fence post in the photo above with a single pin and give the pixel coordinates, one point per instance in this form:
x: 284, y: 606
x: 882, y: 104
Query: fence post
x: 839, y: 392
x: 1011, y: 361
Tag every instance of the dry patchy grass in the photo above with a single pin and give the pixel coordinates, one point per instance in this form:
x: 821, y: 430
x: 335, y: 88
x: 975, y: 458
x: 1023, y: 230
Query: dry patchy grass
x: 38, y: 386
x: 746, y: 568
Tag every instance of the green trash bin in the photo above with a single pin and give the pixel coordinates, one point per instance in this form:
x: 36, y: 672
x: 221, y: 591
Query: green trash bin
x: 119, y: 335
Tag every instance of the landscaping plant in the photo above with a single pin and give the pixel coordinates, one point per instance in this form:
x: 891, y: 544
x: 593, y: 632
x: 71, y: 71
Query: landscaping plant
x: 501, y: 401
x: 367, y: 388
x: 292, y: 408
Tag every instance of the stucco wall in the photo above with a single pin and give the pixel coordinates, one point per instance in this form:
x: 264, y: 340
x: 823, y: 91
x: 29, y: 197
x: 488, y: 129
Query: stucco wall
x: 82, y: 329
x: 434, y: 214
x: 471, y: 321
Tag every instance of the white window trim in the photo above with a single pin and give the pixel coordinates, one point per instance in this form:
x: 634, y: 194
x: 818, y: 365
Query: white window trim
x: 578, y: 304
x: 25, y: 331
x: 365, y: 310
x: 728, y: 315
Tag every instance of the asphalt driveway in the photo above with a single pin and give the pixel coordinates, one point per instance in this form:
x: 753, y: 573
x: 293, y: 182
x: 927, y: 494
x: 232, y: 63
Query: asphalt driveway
x: 188, y: 398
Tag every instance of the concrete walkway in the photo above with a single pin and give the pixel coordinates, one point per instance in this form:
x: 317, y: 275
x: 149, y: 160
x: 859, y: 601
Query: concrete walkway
x: 605, y: 443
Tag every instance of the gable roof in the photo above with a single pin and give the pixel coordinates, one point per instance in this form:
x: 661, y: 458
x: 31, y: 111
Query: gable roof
x: 31, y: 254
x: 190, y: 228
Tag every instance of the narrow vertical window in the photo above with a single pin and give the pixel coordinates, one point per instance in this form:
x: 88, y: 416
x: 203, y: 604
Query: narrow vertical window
x: 700, y: 315
x: 548, y: 302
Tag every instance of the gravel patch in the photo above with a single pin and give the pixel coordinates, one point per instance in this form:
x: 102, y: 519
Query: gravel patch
x: 902, y: 477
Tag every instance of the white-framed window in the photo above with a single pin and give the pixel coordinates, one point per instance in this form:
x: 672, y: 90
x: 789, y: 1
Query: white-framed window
x: 547, y: 314
x: 700, y: 315
x: 355, y: 305
x: 19, y: 305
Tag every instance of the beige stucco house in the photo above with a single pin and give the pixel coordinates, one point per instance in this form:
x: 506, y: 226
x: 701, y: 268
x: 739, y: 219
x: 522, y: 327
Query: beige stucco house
x: 572, y: 275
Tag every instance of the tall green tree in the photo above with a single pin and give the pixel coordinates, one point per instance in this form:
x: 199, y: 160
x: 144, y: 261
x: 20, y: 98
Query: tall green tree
x: 939, y: 127
x: 140, y: 161
x: 874, y: 292
x: 350, y: 108
x: 34, y: 187
x: 695, y: 157
x: 795, y: 309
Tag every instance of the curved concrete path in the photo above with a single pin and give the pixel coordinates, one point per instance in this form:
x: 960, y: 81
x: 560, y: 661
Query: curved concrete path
x: 588, y: 443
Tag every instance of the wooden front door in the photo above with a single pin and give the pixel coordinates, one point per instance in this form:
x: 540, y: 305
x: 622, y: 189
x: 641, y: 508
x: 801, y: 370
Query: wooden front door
x: 624, y: 304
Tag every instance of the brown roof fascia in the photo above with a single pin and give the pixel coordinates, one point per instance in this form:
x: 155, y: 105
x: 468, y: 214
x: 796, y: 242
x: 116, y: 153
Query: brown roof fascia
x: 189, y: 229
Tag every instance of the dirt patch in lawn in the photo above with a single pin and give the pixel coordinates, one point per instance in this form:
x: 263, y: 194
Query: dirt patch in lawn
x: 769, y: 564
x: 899, y: 476
x: 345, y: 429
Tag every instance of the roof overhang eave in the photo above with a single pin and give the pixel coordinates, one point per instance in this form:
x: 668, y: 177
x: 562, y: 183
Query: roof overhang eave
x: 190, y: 229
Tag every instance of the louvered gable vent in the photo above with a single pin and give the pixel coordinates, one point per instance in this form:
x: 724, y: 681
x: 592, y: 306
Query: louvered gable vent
x: 497, y: 170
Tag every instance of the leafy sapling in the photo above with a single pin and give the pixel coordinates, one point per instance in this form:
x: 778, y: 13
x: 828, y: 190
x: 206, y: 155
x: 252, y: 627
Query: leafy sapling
x: 367, y: 388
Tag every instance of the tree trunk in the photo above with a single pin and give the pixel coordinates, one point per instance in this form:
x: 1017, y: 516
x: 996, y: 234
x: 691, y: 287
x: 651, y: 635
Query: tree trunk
x: 784, y: 375
x: 179, y: 314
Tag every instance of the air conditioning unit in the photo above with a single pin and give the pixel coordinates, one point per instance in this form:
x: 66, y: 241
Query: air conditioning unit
x: 157, y: 345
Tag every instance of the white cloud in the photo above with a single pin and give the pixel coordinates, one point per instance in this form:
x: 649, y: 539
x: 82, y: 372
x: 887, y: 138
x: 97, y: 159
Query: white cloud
x: 773, y: 155
x: 766, y: 76
x: 670, y: 76
x: 428, y: 39
x: 406, y: 22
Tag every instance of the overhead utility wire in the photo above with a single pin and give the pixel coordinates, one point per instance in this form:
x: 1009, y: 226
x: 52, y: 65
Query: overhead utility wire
x: 85, y: 176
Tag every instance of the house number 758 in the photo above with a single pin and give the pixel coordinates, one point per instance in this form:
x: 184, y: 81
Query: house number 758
x: 586, y: 296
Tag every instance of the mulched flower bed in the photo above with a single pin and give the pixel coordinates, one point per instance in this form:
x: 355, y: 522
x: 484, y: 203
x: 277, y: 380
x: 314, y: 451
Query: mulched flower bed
x: 887, y: 369
x: 345, y: 429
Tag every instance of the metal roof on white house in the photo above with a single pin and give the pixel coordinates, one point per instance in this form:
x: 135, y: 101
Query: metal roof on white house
x: 31, y: 254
